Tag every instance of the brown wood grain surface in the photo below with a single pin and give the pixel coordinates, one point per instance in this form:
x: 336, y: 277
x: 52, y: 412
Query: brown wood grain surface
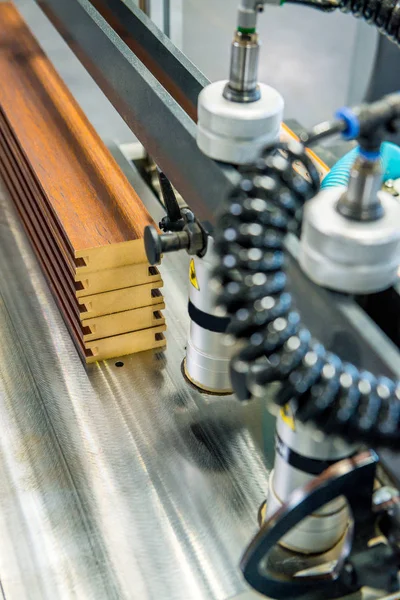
x: 89, y: 196
x: 84, y: 221
x: 68, y: 298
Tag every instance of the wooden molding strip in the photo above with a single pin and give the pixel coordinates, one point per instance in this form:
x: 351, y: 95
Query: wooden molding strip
x: 115, y: 324
x: 90, y: 198
x: 127, y: 343
x: 83, y: 219
x: 84, y: 282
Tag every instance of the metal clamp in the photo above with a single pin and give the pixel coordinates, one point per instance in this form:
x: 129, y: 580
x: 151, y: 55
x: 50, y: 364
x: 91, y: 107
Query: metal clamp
x: 181, y: 229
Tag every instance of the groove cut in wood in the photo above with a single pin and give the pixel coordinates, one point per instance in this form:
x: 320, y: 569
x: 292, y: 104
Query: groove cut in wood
x: 108, y: 303
x: 84, y: 220
x: 123, y: 322
x: 127, y: 343
x: 94, y: 282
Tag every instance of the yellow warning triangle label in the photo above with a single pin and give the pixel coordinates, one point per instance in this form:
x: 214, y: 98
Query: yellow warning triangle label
x: 192, y: 275
x: 287, y: 417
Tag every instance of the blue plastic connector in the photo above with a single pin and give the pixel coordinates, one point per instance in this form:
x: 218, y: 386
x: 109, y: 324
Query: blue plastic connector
x: 372, y: 156
x: 352, y: 130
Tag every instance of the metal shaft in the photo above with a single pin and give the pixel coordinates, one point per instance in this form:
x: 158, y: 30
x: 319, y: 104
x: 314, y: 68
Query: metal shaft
x: 167, y: 17
x: 361, y: 202
x: 156, y: 245
x: 247, y: 13
x: 242, y: 86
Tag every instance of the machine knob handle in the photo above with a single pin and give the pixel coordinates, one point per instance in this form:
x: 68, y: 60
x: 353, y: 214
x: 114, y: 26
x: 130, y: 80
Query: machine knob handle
x: 156, y: 245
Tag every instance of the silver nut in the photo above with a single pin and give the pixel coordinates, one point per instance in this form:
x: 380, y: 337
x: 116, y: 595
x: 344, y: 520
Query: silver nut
x: 196, y: 238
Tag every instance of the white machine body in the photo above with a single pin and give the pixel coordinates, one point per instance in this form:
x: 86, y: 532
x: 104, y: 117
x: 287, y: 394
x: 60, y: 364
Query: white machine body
x: 356, y: 257
x: 207, y: 354
x: 236, y: 132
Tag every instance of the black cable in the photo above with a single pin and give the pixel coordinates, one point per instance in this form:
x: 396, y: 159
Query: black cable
x: 322, y: 6
x: 275, y: 346
x: 369, y: 123
x: 383, y: 14
x: 322, y: 131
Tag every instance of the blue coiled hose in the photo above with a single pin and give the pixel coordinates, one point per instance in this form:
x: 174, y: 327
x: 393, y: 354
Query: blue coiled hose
x: 340, y: 172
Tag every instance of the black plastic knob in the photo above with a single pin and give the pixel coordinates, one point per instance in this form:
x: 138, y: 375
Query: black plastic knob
x: 152, y: 244
x: 156, y: 245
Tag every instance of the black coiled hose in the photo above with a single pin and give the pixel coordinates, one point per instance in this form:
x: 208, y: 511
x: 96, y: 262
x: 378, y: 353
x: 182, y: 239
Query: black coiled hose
x: 384, y: 14
x: 275, y: 346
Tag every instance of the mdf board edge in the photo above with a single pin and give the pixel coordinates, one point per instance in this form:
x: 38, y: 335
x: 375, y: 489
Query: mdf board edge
x: 124, y: 322
x: 128, y: 343
x: 116, y: 301
x: 60, y: 173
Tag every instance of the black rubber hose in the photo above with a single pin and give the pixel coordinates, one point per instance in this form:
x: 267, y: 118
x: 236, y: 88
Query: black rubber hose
x: 383, y: 14
x: 275, y: 346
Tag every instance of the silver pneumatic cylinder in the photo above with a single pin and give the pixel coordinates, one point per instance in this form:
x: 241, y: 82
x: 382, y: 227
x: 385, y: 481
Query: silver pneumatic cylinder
x: 302, y: 454
x: 239, y: 117
x: 350, y: 240
x: 243, y: 83
x: 207, y: 356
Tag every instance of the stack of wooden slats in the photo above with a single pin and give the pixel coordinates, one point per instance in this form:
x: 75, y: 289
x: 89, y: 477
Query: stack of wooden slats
x: 83, y: 219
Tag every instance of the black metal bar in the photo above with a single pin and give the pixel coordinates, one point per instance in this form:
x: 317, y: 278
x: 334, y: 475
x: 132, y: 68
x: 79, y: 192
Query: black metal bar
x: 155, y: 50
x: 163, y: 127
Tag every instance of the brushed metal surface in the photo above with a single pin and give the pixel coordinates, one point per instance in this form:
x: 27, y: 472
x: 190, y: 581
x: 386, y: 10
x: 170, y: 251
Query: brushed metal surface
x: 126, y: 482
x: 115, y: 482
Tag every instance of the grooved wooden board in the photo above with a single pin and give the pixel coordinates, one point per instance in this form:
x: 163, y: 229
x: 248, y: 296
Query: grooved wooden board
x: 83, y: 219
x: 107, y: 303
x: 114, y: 324
x: 127, y: 343
x: 94, y: 282
x: 87, y: 195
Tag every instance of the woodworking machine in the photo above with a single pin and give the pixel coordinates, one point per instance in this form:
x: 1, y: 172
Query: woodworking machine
x: 350, y: 243
x: 258, y: 454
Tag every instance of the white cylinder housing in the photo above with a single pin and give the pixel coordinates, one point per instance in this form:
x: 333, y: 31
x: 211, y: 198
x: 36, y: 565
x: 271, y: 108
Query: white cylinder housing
x: 207, y: 356
x: 236, y: 132
x: 355, y: 257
